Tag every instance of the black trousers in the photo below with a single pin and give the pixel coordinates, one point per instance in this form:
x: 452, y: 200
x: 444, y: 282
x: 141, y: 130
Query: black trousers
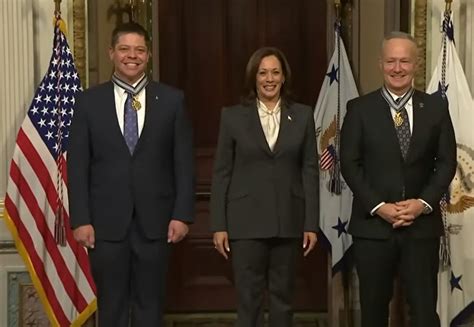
x: 265, y: 264
x: 130, y: 276
x: 416, y: 261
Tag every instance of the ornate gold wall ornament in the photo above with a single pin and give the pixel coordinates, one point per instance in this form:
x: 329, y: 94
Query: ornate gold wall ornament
x: 420, y: 37
x: 79, y: 27
x: 2, y: 207
x: 347, y: 27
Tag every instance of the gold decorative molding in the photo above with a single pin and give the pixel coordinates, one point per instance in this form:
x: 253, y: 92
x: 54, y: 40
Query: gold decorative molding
x: 79, y: 26
x: 420, y: 37
x: 2, y: 208
x: 348, y: 26
x: 7, y: 247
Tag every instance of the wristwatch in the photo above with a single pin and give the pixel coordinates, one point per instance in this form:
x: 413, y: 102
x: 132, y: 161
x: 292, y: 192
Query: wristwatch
x: 426, y: 208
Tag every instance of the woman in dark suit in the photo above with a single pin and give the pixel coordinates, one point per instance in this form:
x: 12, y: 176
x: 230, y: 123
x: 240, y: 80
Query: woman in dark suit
x: 265, y: 201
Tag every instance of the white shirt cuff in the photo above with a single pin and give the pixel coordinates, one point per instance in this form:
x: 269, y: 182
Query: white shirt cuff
x: 372, y: 212
x: 426, y: 204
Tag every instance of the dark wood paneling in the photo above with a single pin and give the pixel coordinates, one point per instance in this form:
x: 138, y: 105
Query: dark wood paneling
x: 405, y: 10
x: 242, y: 41
x: 204, y: 48
x: 298, y: 28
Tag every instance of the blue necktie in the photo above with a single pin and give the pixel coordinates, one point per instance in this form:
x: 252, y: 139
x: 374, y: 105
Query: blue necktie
x: 130, y: 126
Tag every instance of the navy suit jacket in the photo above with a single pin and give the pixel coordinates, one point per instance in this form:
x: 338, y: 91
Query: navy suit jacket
x: 373, y: 166
x: 257, y: 193
x: 108, y: 186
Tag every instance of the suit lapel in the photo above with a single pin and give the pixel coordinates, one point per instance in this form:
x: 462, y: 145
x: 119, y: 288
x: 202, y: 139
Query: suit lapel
x: 417, y: 104
x: 151, y: 100
x: 257, y: 130
x: 112, y: 120
x: 286, y: 112
x: 386, y: 122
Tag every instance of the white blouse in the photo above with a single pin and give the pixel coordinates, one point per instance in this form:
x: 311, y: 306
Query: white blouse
x: 270, y: 120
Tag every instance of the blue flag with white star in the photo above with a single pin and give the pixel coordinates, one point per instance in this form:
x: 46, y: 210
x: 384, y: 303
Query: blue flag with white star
x: 334, y: 195
x: 456, y: 282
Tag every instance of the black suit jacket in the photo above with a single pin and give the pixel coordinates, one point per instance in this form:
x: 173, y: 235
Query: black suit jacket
x: 107, y: 185
x: 374, y: 169
x: 257, y: 193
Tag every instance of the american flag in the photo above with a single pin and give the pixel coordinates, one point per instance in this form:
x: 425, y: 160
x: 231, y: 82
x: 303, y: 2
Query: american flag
x: 36, y: 202
x: 327, y: 157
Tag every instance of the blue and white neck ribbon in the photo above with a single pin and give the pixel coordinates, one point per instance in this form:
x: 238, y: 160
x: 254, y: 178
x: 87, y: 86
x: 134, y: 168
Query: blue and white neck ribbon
x: 132, y: 90
x: 400, y: 103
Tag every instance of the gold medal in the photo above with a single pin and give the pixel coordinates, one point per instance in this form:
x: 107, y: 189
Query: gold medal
x: 398, y: 119
x: 136, y: 104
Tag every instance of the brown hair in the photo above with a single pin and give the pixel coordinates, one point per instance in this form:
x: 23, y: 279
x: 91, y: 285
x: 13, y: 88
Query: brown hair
x: 252, y: 69
x: 128, y: 28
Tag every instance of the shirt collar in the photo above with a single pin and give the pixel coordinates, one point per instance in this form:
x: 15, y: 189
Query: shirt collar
x: 395, y: 96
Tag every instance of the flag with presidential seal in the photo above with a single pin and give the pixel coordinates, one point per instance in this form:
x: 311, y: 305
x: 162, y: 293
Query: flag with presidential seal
x: 456, y: 277
x: 335, y: 196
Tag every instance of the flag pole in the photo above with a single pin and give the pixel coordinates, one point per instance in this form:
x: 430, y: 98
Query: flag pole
x: 337, y: 4
x: 445, y: 253
x: 335, y: 180
x: 344, y: 315
x: 448, y: 5
x: 57, y: 17
x: 57, y: 5
x: 59, y: 223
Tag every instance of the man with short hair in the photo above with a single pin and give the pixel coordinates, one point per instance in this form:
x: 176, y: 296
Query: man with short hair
x: 398, y: 156
x: 131, y: 192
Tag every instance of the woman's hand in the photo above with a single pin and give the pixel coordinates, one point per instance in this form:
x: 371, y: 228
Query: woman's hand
x: 221, y: 243
x: 309, y: 242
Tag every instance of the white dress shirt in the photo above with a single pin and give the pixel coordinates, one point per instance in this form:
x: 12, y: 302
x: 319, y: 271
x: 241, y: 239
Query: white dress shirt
x: 120, y: 98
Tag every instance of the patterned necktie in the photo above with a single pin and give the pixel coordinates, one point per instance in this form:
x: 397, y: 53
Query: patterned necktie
x: 402, y: 126
x: 130, y: 126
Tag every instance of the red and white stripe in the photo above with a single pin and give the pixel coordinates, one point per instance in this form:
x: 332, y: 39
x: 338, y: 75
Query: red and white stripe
x: 61, y: 274
x: 327, y: 160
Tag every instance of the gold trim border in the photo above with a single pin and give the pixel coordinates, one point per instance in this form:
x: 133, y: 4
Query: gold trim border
x: 420, y: 37
x: 81, y: 318
x: 79, y: 35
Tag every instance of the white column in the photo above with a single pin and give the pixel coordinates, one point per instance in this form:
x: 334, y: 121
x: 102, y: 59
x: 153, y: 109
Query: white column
x: 17, y: 77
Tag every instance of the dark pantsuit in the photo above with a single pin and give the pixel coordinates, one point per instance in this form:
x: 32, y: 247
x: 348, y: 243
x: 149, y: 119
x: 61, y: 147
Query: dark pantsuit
x: 259, y: 263
x: 416, y: 260
x: 134, y: 269
x: 265, y: 200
